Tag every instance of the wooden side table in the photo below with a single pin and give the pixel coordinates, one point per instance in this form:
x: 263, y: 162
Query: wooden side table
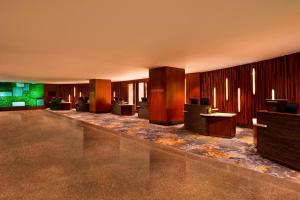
x: 127, y: 109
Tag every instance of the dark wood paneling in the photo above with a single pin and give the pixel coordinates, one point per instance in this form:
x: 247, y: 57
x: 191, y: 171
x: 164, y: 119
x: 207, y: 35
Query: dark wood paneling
x: 166, y: 97
x: 281, y: 74
x: 63, y: 90
x: 221, y: 126
x: 100, y: 95
x: 21, y: 108
x: 121, y: 88
x: 192, y: 86
x: 280, y: 140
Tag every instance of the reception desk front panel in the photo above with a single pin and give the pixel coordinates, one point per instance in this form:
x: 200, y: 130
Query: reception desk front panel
x: 280, y: 139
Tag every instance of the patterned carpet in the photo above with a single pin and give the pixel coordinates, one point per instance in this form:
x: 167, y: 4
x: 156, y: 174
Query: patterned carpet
x: 238, y: 151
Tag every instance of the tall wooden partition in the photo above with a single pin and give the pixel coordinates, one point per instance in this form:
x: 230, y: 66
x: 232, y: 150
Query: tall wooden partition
x: 100, y: 95
x: 166, y: 98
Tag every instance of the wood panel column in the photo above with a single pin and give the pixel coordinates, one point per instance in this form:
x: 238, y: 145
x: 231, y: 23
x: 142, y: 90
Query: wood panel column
x: 166, y: 97
x: 100, y: 95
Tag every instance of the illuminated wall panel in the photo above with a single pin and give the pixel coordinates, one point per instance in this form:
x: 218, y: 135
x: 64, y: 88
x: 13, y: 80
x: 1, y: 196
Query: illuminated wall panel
x: 215, y: 97
x: 21, y: 94
x: 141, y: 90
x: 226, y: 89
x: 130, y: 93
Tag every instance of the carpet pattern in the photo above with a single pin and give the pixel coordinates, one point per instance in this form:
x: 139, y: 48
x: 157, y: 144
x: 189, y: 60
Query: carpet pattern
x: 238, y: 151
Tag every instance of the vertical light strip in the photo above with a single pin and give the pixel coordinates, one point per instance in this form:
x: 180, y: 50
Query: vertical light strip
x: 80, y: 94
x: 253, y: 81
x: 130, y: 94
x: 146, y: 91
x: 239, y: 99
x: 114, y: 94
x: 69, y: 98
x: 226, y: 89
x: 215, y: 97
x: 185, y: 90
x: 74, y: 91
x: 273, y: 94
x: 141, y: 90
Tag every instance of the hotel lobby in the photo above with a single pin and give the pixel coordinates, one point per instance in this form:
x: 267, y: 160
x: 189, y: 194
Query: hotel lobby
x: 149, y: 100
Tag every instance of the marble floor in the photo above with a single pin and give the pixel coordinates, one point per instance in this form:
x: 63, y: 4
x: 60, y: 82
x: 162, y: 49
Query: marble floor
x: 238, y: 151
x: 47, y: 156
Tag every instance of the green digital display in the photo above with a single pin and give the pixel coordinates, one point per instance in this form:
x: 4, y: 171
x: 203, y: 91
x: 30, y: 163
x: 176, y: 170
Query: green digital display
x: 21, y: 94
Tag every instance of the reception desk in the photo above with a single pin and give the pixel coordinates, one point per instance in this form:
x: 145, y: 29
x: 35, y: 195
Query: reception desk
x: 221, y: 124
x: 196, y: 119
x: 279, y: 140
x: 193, y: 121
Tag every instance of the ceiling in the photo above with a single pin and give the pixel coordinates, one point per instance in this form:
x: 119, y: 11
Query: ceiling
x: 55, y: 41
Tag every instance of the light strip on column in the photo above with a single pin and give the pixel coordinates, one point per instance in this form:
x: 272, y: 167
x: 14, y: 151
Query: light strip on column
x: 74, y: 91
x: 215, y: 98
x: 80, y: 94
x: 69, y: 98
x: 239, y: 99
x: 273, y: 94
x: 146, y: 91
x: 226, y: 89
x: 114, y: 94
x: 185, y: 90
x: 253, y: 80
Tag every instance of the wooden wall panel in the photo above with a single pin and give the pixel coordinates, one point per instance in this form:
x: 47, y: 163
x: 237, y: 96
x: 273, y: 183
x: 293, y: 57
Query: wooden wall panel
x: 100, y: 95
x: 63, y: 90
x: 166, y: 97
x: 121, y: 88
x: 281, y: 74
x: 192, y: 86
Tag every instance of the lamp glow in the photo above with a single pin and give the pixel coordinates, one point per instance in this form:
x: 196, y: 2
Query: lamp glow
x: 239, y: 99
x: 273, y: 94
x: 80, y: 94
x: 74, y: 91
x: 69, y: 98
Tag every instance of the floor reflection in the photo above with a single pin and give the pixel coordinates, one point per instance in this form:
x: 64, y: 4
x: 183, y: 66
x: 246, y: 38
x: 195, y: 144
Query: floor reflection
x: 43, y: 156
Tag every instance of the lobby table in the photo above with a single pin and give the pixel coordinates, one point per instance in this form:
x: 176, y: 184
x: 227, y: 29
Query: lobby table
x: 127, y: 109
x: 221, y: 124
x: 65, y: 105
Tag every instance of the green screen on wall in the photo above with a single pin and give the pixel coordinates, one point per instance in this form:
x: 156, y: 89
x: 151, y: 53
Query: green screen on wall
x: 30, y: 93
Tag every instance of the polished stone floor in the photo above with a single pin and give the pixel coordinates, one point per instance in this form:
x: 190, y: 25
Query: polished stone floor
x: 239, y: 150
x: 47, y: 156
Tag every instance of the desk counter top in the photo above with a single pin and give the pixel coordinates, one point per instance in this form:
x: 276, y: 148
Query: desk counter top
x: 218, y: 114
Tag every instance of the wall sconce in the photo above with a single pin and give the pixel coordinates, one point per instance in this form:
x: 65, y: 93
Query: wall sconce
x: 69, y: 98
x: 80, y: 94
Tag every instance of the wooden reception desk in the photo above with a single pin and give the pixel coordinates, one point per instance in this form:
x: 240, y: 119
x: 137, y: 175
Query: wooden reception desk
x: 279, y: 140
x: 221, y: 124
x: 216, y: 124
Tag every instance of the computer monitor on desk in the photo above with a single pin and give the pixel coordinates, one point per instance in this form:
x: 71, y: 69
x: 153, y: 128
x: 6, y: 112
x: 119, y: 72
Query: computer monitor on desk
x: 204, y: 101
x: 276, y: 105
x: 281, y: 105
